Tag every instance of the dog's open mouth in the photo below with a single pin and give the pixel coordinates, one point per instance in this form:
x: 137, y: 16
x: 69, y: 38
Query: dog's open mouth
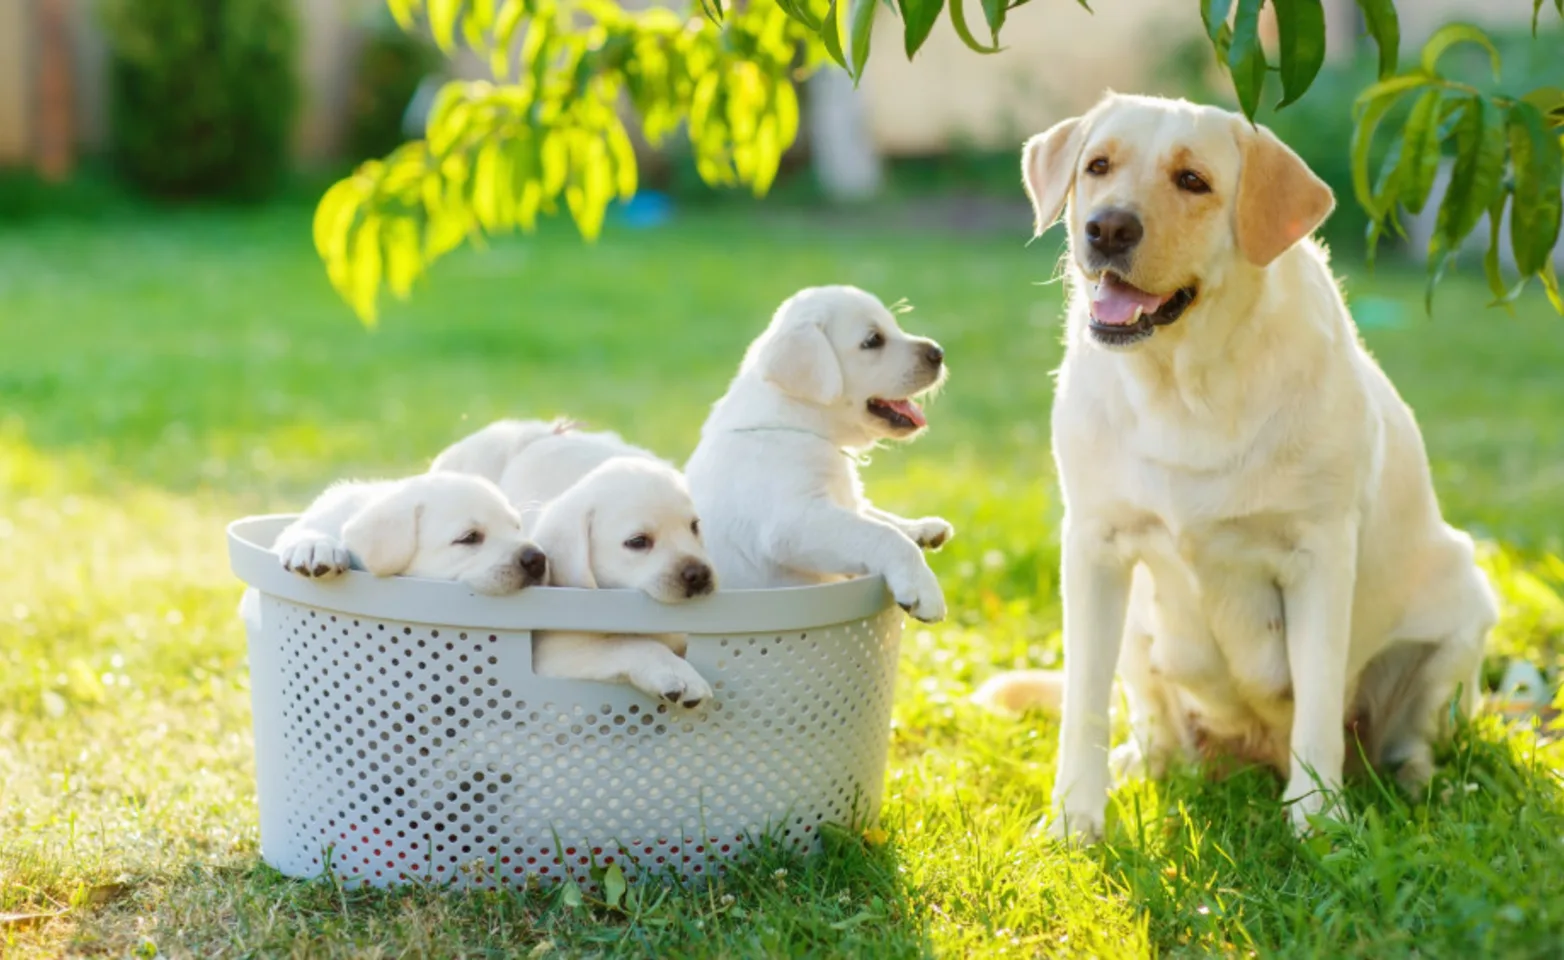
x: 1122, y: 313
x: 900, y: 414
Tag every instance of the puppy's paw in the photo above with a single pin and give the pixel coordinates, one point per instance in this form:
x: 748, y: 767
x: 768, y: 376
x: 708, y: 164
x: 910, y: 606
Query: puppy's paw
x: 316, y: 556
x: 930, y: 533
x: 918, y: 592
x: 1075, y: 827
x: 1307, y: 801
x: 673, y: 680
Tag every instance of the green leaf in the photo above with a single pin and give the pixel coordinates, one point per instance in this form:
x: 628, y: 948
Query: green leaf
x: 831, y: 39
x: 402, y: 11
x: 854, y: 23
x: 799, y: 10
x: 1420, y: 151
x: 1491, y: 269
x: 1539, y: 170
x: 1450, y: 35
x: 366, y: 269
x: 1385, y: 189
x: 570, y: 893
x: 403, y: 263
x: 506, y: 24
x: 1549, y: 100
x: 1369, y: 114
x: 1385, y: 27
x: 958, y: 19
x: 1213, y: 13
x: 1300, y: 32
x: 1474, y: 181
x: 1550, y: 283
x: 994, y: 12
x: 613, y: 886
x: 1245, y: 58
x: 1394, y: 85
x: 443, y: 15
x: 918, y: 19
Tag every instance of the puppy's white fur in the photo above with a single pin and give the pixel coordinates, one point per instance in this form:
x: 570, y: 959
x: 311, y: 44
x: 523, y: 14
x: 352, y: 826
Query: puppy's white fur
x: 628, y: 524
x: 773, y: 477
x: 585, y: 495
x: 443, y: 526
x: 1251, y: 534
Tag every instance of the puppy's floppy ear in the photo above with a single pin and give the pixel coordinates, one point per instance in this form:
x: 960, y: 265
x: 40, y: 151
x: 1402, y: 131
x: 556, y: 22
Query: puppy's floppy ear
x: 1280, y: 200
x: 384, y: 535
x: 801, y: 362
x: 1048, y: 169
x: 564, y: 534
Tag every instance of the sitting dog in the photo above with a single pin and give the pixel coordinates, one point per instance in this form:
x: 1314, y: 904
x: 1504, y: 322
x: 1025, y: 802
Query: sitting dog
x: 443, y: 526
x: 627, y: 525
x: 774, y: 477
x: 1251, y: 534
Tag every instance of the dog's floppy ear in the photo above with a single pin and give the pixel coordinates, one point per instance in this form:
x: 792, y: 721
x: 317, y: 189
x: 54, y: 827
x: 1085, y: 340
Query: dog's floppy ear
x: 1048, y: 168
x: 1280, y: 200
x: 800, y: 362
x: 384, y: 535
x: 564, y: 534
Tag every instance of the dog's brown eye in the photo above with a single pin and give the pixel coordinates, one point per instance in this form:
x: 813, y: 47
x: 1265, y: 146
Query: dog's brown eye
x: 1098, y: 167
x: 1191, y: 182
x: 469, y: 539
x: 873, y: 341
x: 695, y: 527
x: 642, y: 542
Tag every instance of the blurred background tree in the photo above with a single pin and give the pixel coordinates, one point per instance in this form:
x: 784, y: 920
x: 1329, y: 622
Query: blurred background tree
x: 548, y: 132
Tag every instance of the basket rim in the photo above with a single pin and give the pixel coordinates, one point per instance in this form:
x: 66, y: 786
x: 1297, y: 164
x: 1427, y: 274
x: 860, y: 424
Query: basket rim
x: 442, y: 603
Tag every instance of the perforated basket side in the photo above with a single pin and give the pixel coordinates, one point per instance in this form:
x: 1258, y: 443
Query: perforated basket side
x: 394, y: 751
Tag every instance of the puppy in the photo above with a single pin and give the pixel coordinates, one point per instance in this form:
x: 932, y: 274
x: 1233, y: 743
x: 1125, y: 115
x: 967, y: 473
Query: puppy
x: 535, y: 461
x: 774, y: 476
x: 487, y: 452
x: 627, y: 525
x: 1251, y: 533
x: 444, y: 526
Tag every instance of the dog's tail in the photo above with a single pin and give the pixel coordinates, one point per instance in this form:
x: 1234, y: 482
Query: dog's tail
x: 1018, y: 691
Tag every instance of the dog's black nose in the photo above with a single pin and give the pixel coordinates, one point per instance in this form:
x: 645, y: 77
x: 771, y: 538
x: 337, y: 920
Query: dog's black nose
x: 533, y: 562
x: 1112, y: 232
x: 696, y: 577
x: 933, y: 354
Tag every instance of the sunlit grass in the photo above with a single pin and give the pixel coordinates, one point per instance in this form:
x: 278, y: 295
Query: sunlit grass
x: 159, y: 379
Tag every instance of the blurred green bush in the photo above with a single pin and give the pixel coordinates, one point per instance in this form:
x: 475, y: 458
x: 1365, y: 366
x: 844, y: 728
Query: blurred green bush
x: 391, y: 64
x: 203, y: 94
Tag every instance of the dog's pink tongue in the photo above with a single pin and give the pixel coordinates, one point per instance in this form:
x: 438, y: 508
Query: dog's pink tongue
x: 909, y: 410
x: 1116, y: 303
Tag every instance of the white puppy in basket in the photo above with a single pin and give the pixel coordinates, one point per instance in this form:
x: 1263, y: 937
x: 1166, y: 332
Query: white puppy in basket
x: 610, y: 516
x: 444, y: 526
x: 775, y: 477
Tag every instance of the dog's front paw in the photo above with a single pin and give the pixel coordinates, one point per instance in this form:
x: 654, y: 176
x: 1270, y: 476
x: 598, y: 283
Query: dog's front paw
x: 918, y: 592
x: 1307, y: 801
x: 673, y: 680
x: 1076, y: 827
x: 318, y: 557
x: 930, y: 533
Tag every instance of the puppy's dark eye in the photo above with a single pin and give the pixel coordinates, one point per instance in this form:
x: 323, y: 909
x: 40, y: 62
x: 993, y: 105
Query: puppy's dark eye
x: 1098, y: 166
x: 1191, y: 182
x: 469, y: 539
x: 873, y: 341
x: 695, y: 527
x: 642, y: 542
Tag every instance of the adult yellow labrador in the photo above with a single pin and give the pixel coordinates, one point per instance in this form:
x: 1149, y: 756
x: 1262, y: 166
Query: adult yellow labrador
x: 1251, y: 535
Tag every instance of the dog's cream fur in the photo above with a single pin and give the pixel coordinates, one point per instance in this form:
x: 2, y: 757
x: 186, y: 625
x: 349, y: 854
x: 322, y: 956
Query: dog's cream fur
x: 1251, y: 534
x: 610, y: 516
x: 774, y: 479
x: 443, y: 526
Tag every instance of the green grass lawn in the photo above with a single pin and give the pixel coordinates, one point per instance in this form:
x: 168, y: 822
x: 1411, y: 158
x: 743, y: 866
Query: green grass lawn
x: 162, y: 375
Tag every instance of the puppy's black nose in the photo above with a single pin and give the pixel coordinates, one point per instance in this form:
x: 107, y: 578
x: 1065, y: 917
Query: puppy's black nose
x: 1113, y: 232
x: 933, y: 354
x: 533, y: 563
x: 696, y: 577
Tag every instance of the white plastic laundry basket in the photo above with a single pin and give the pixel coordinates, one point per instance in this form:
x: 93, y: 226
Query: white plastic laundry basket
x: 400, y: 734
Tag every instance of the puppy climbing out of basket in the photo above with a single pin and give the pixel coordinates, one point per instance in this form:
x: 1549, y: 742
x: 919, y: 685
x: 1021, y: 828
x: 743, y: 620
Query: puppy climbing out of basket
x: 628, y: 524
x: 775, y: 477
x: 444, y: 526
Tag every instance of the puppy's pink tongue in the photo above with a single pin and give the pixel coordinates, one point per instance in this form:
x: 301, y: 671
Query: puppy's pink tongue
x: 909, y: 410
x: 1116, y: 303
